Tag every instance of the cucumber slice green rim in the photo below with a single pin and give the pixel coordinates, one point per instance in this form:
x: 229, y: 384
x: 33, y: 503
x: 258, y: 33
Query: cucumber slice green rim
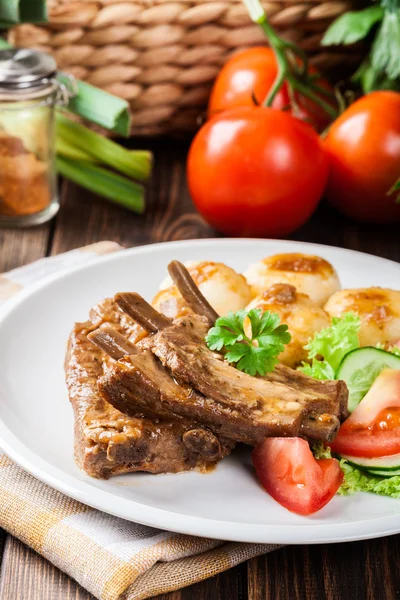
x: 372, y: 464
x: 386, y: 474
x: 377, y: 472
x: 359, y: 369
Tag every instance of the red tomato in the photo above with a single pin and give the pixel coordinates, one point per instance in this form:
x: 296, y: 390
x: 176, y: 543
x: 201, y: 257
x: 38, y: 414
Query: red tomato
x: 373, y: 428
x: 289, y: 472
x: 256, y: 172
x: 363, y: 146
x: 248, y: 76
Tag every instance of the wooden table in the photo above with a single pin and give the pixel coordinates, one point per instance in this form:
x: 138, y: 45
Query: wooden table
x: 357, y: 571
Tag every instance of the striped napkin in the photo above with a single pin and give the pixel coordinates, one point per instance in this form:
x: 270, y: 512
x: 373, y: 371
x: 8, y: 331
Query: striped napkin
x: 112, y: 558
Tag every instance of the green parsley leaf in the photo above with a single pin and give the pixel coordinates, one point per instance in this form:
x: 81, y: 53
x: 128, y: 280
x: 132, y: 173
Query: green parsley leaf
x: 252, y: 355
x: 329, y: 346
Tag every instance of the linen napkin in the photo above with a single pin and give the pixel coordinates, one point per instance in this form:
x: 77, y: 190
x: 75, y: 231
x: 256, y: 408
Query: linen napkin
x: 112, y: 558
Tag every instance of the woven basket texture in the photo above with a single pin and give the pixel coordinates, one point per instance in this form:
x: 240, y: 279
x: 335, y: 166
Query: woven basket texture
x: 162, y: 55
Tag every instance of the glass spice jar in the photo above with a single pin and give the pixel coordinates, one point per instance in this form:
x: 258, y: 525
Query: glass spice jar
x: 29, y: 94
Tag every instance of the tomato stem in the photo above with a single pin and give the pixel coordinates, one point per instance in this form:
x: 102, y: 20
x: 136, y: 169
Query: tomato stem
x: 308, y: 91
x: 298, y: 79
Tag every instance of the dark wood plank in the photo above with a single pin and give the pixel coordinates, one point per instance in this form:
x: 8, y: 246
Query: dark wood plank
x: 25, y: 575
x: 21, y: 246
x: 360, y: 570
x: 231, y: 585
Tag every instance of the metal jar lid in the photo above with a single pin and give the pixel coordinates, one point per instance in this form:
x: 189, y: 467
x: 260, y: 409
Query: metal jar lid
x: 21, y: 69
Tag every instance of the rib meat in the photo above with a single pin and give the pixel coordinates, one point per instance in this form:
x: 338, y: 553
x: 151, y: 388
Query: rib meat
x: 107, y: 441
x: 209, y: 390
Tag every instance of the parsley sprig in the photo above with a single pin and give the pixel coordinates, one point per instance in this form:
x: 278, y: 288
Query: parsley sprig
x: 254, y: 349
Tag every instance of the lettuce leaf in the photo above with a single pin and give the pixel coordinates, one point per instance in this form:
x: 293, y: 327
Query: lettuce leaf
x: 356, y: 480
x: 329, y: 346
x: 321, y: 451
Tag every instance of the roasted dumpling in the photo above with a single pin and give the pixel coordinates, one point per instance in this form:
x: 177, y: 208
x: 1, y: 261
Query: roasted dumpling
x: 302, y: 316
x: 378, y: 308
x: 224, y: 289
x: 311, y: 275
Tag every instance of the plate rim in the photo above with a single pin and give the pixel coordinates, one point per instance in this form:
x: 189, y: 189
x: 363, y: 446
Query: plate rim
x: 81, y: 490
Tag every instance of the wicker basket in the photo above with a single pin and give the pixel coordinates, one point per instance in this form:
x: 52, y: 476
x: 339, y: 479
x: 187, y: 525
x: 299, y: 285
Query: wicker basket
x: 163, y: 55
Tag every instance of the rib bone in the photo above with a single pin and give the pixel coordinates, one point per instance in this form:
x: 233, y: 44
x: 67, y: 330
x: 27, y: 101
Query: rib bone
x: 112, y: 343
x: 190, y: 292
x: 141, y: 311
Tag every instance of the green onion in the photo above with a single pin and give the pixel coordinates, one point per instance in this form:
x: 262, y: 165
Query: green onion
x: 68, y: 151
x: 104, y: 183
x: 9, y: 11
x: 99, y: 107
x: 22, y: 11
x: 102, y: 149
x: 73, y: 151
x: 4, y: 45
x: 32, y: 11
x: 144, y: 159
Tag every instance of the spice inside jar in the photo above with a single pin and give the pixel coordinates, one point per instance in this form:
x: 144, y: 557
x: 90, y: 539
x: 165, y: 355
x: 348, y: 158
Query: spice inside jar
x: 28, y: 95
x: 24, y: 179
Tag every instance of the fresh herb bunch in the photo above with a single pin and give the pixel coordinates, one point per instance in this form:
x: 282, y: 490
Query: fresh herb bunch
x: 380, y: 24
x: 252, y: 339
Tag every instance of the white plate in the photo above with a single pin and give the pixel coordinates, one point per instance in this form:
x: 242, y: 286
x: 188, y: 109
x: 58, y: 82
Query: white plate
x: 36, y: 422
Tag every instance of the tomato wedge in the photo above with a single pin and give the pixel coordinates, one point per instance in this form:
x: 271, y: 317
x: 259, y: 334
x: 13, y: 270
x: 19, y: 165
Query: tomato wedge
x: 373, y: 428
x: 289, y: 472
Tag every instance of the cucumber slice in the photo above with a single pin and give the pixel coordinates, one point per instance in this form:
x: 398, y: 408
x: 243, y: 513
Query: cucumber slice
x: 382, y: 463
x: 361, y: 367
x: 383, y: 473
x: 384, y: 466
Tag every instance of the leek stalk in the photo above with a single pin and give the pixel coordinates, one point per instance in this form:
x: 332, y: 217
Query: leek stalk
x: 4, y: 45
x: 32, y: 11
x: 73, y: 151
x: 68, y: 151
x: 99, y: 107
x: 22, y: 11
x: 102, y: 149
x: 116, y: 188
x: 9, y: 12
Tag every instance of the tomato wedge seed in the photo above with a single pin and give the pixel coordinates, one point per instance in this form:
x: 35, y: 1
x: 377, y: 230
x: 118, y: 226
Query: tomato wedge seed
x: 289, y: 472
x: 373, y: 428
